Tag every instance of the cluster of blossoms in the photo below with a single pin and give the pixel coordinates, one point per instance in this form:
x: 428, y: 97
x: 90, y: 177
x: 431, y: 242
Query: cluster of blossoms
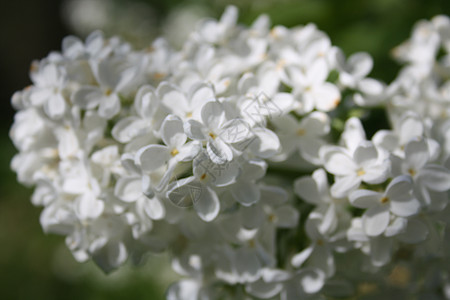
x: 213, y: 152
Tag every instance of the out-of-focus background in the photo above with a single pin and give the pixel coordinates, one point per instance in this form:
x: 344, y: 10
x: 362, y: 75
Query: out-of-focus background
x: 38, y: 266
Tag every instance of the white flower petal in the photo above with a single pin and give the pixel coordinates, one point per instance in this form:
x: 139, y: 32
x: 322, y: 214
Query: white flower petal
x: 146, y: 102
x: 416, y: 154
x: 55, y: 106
x: 40, y: 96
x: 109, y: 106
x: 195, y: 130
x: 128, y: 189
x: 273, y: 195
x: 213, y: 115
x: 287, y: 216
x: 329, y: 219
x: 266, y: 144
x: 110, y: 256
x: 380, y: 251
x: 285, y: 124
x: 184, y: 192
x: 152, y: 157
x: 89, y: 207
x: 311, y: 280
x: 184, y: 290
x: 247, y: 265
x: 87, y: 97
x: 309, y: 149
x: 323, y: 258
x: 306, y: 188
x: 218, y: 151
x: 281, y: 102
x: 377, y: 173
x: 172, y: 132
x: 416, y: 232
x: 353, y: 134
x: 410, y: 128
x: 264, y: 290
x: 154, y: 208
x: 365, y: 153
x: 386, y: 139
x: 252, y: 217
x: 317, y: 72
x: 361, y: 64
x: 254, y: 169
x: 396, y: 227
x: 235, y: 131
x: 344, y: 185
x: 327, y: 96
x: 365, y: 198
x: 435, y: 177
x: 376, y: 220
x: 402, y: 201
x: 405, y: 208
x: 69, y: 144
x: 316, y: 124
x: 209, y: 172
x: 275, y: 275
x: 298, y: 259
x: 173, y: 99
x: 58, y: 220
x: 189, y: 151
x: 200, y: 94
x: 245, y: 192
x: 207, y: 205
x: 337, y: 160
x: 128, y: 128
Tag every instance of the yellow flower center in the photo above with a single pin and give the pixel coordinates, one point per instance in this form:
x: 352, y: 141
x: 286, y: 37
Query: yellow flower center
x: 301, y: 132
x: 360, y: 172
x: 159, y: 76
x: 272, y: 218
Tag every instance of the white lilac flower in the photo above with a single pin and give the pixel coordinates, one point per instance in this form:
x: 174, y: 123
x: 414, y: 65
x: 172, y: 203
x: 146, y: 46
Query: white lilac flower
x: 190, y: 152
x: 407, y: 128
x: 219, y: 132
x: 258, y: 104
x: 319, y: 254
x: 138, y: 190
x: 176, y: 149
x: 198, y: 190
x: 215, y: 32
x: 312, y: 89
x: 114, y: 76
x: 138, y: 129
x: 49, y: 89
x: 351, y: 169
x: 431, y: 181
x: 398, y: 199
x: 422, y: 47
x: 352, y: 74
x: 305, y: 136
x: 245, y: 190
x: 186, y: 105
x: 315, y: 190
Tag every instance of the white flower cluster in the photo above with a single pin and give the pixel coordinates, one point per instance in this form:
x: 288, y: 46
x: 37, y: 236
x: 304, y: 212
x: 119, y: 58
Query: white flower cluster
x: 213, y: 152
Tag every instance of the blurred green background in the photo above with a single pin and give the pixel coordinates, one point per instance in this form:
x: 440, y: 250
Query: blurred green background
x: 38, y: 266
